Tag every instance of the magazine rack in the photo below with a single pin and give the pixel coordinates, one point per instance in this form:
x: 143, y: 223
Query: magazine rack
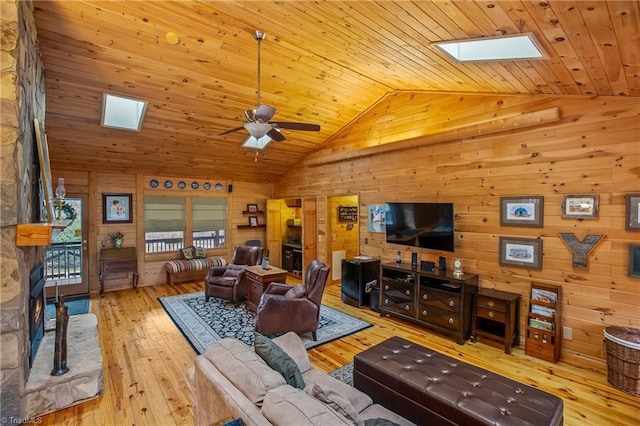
x: 543, y: 329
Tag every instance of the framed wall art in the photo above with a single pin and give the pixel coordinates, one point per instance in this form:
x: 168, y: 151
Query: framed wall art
x: 252, y: 208
x: 347, y: 213
x: 117, y: 208
x: 518, y: 211
x: 634, y: 260
x: 376, y: 218
x: 47, y: 212
x: 632, y: 214
x: 580, y: 206
x: 521, y: 252
x: 253, y: 220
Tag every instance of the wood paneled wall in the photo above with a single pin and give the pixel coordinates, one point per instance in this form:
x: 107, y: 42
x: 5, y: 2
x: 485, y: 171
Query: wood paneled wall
x: 151, y: 266
x: 473, y: 149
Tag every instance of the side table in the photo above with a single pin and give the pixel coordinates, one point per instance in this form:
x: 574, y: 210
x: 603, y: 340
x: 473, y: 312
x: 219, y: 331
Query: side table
x: 258, y: 280
x: 117, y: 261
x: 496, y: 317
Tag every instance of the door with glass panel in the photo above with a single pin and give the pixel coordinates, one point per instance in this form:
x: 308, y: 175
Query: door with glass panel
x: 66, y: 267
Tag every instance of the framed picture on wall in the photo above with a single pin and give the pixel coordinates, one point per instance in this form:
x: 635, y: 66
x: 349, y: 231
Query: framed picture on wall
x: 521, y: 252
x: 519, y: 211
x: 117, y: 208
x: 376, y: 218
x: 580, y: 206
x: 632, y: 214
x: 252, y: 208
x: 253, y: 220
x: 47, y: 213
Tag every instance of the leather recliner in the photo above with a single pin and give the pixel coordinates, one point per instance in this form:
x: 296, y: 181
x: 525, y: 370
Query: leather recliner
x: 229, y: 282
x: 296, y: 308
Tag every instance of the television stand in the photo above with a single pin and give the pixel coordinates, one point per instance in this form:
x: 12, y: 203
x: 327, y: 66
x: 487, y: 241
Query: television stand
x: 435, y: 300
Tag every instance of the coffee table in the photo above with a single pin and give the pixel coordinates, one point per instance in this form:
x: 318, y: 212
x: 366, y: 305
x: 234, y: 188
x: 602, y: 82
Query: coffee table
x: 258, y: 279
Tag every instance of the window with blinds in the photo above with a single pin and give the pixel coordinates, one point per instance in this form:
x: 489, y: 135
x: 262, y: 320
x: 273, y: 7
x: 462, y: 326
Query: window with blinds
x: 164, y: 223
x: 208, y: 221
x: 172, y: 223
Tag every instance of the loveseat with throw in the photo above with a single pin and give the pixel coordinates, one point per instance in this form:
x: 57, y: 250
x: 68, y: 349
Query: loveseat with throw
x: 231, y: 380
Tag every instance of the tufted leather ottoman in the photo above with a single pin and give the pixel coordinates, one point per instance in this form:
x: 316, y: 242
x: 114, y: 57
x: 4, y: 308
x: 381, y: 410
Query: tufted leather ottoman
x: 427, y: 387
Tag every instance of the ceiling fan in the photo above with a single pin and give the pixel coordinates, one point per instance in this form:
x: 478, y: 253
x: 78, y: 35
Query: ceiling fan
x: 258, y: 120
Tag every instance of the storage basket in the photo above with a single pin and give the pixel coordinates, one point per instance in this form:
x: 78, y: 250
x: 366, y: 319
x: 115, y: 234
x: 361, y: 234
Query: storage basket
x: 623, y: 358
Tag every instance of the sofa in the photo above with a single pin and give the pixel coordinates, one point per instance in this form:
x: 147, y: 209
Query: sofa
x: 232, y: 380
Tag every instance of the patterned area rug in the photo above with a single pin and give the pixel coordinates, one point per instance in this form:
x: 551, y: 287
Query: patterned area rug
x: 344, y: 374
x: 202, y: 323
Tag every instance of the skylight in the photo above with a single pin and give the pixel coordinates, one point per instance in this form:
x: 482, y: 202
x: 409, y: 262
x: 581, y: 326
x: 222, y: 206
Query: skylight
x: 506, y: 48
x: 252, y: 142
x: 122, y: 113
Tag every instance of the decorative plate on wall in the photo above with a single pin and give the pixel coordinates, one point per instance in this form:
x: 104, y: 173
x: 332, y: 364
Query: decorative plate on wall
x: 182, y: 185
x: 207, y: 186
x: 153, y: 183
x: 195, y: 185
x: 218, y: 186
x: 168, y: 184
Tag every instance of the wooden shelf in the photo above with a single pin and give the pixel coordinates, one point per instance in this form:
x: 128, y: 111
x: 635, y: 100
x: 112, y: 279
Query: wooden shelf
x: 249, y: 226
x: 38, y: 234
x: 248, y: 212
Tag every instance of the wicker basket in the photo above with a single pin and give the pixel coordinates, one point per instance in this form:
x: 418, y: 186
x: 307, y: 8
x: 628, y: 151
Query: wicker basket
x: 623, y: 358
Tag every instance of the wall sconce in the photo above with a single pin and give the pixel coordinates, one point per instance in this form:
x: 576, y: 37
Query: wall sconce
x: 61, y: 192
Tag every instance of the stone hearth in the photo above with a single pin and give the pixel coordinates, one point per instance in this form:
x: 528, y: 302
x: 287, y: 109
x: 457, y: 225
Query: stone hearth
x: 45, y: 393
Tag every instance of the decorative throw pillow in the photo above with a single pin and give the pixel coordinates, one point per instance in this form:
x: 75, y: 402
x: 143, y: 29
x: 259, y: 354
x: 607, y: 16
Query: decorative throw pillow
x: 233, y: 270
x: 333, y: 399
x: 199, y: 252
x: 296, y: 292
x: 278, y: 359
x: 187, y: 252
x: 235, y: 422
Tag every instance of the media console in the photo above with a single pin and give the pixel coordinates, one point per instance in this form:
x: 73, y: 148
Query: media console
x: 433, y: 299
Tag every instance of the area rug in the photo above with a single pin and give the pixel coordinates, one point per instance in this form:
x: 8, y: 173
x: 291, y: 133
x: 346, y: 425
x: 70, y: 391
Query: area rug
x: 344, y: 374
x: 77, y: 306
x: 203, y: 323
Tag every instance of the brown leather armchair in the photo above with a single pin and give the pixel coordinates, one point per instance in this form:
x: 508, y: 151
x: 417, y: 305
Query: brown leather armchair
x: 296, y: 308
x: 229, y: 282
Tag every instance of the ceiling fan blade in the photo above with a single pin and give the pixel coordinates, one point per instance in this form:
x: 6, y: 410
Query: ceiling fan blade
x: 264, y: 113
x: 296, y: 126
x: 276, y: 135
x: 249, y: 114
x: 231, y: 130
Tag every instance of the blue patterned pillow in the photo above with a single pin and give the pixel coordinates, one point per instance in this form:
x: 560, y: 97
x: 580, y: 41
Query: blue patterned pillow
x: 235, y: 422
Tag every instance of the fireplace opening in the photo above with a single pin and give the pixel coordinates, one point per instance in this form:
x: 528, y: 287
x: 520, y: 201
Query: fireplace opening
x: 36, y: 309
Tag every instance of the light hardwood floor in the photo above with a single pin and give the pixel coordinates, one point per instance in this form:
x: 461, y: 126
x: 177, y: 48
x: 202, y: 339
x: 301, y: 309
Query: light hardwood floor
x: 146, y: 358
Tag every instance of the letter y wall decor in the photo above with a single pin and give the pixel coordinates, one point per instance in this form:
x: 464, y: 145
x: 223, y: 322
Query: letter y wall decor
x: 580, y: 249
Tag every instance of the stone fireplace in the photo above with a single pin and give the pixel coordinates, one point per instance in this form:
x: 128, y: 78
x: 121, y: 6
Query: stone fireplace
x: 22, y: 98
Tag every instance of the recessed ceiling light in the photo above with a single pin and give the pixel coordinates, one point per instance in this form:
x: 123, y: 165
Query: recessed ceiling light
x: 504, y: 48
x: 124, y: 113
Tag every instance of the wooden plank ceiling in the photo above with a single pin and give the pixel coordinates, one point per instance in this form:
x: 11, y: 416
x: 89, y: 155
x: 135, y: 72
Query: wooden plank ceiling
x: 323, y: 62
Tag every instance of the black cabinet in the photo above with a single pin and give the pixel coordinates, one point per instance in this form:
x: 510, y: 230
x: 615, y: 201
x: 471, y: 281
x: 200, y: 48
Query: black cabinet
x: 359, y: 277
x: 436, y: 300
x: 292, y: 257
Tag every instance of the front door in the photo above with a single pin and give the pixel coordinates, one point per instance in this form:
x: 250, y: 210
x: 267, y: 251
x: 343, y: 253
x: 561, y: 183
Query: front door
x: 66, y: 269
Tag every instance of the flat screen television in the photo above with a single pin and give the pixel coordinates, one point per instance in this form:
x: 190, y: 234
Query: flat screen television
x: 425, y: 225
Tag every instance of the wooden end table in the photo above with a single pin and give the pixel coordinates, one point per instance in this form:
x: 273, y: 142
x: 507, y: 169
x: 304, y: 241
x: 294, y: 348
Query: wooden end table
x: 258, y: 280
x: 495, y: 317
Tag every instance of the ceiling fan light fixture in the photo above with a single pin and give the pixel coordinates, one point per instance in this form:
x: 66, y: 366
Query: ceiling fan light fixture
x: 256, y: 143
x: 257, y: 129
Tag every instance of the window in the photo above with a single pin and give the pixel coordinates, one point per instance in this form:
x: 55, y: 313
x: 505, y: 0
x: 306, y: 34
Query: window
x: 122, y: 113
x: 209, y: 221
x: 164, y: 223
x: 172, y: 223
